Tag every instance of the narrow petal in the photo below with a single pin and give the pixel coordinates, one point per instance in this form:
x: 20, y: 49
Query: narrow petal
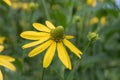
x: 72, y: 47
x: 7, y: 58
x: 33, y: 35
x: 63, y: 55
x: 41, y: 27
x: 1, y: 76
x: 40, y: 48
x: 7, y: 64
x: 50, y: 25
x: 69, y: 37
x: 49, y: 55
x: 31, y: 44
x: 1, y: 48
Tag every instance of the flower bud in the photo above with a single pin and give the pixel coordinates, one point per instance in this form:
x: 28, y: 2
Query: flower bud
x: 93, y: 36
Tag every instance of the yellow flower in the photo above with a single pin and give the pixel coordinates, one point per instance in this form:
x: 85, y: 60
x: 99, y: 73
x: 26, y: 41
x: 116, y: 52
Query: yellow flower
x: 8, y: 2
x: 103, y: 20
x: 1, y: 43
x: 5, y: 61
x: 1, y: 48
x: 2, y: 40
x: 93, y: 20
x: 53, y: 38
x: 91, y: 3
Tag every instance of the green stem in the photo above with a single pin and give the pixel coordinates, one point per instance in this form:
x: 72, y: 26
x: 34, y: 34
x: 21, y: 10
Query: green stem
x: 42, y: 78
x: 77, y: 63
x: 45, y: 8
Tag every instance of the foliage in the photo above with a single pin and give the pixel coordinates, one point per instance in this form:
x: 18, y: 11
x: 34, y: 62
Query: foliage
x: 101, y: 57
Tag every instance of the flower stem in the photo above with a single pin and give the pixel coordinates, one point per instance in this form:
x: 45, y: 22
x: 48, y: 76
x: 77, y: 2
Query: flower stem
x: 77, y: 63
x: 45, y: 7
x: 42, y: 78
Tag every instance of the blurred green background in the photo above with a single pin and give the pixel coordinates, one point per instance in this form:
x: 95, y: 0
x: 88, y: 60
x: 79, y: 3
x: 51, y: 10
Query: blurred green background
x: 100, y: 61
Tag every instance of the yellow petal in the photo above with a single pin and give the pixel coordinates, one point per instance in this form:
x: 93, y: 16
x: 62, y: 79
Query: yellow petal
x: 72, y: 47
x: 8, y: 2
x: 33, y: 35
x: 1, y: 48
x: 69, y: 37
x: 31, y: 44
x: 40, y: 48
x: 41, y: 27
x: 63, y: 55
x: 49, y: 55
x: 7, y: 58
x: 50, y: 25
x: 7, y: 64
x: 2, y: 40
x: 1, y: 76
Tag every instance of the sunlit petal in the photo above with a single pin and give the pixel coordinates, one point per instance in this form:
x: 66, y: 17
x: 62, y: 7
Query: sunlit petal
x: 50, y: 25
x: 33, y: 35
x: 72, y: 47
x: 8, y: 2
x: 40, y: 48
x: 63, y: 55
x: 49, y: 55
x: 69, y: 37
x: 1, y: 76
x: 7, y: 58
x: 41, y: 27
x: 1, y: 48
x: 7, y: 64
x: 31, y: 44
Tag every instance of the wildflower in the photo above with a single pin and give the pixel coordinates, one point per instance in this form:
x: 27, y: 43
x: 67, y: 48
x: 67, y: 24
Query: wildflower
x: 93, y: 20
x: 53, y: 38
x: 91, y: 3
x: 103, y: 20
x: 8, y: 2
x: 5, y: 61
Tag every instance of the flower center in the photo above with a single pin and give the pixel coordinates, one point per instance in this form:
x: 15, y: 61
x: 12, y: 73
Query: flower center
x: 57, y: 34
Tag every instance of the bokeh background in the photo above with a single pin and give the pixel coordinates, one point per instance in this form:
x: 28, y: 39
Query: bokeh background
x: 100, y: 61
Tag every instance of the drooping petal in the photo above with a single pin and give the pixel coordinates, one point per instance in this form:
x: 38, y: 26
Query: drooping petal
x: 41, y: 27
x: 69, y: 37
x: 33, y: 35
x: 49, y: 55
x: 7, y: 64
x: 1, y: 48
x: 72, y: 47
x: 40, y: 48
x: 31, y: 44
x: 63, y: 55
x: 50, y: 25
x: 1, y: 76
x: 7, y: 58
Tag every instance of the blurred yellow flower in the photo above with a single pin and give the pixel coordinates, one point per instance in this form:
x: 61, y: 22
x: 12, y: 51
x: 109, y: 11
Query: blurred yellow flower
x: 53, y: 38
x: 103, y: 20
x: 2, y: 40
x: 22, y: 5
x: 5, y: 61
x: 8, y: 2
x: 1, y: 48
x: 93, y: 20
x: 91, y: 3
x: 1, y: 43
